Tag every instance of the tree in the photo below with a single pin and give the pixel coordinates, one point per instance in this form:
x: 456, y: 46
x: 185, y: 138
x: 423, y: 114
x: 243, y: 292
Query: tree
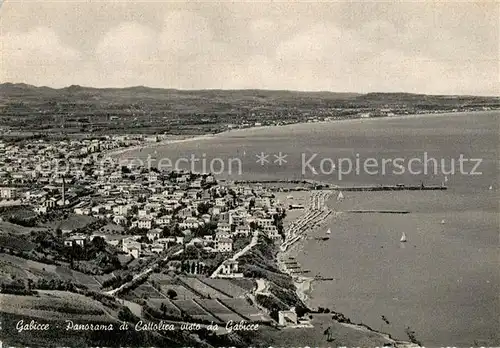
x: 99, y: 243
x: 171, y: 294
x: 203, y: 208
x: 126, y: 315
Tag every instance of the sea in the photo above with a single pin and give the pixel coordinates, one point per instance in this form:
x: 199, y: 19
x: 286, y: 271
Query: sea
x: 444, y: 282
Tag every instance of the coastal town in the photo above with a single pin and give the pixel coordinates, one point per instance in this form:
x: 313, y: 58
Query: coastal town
x: 168, y: 244
x: 151, y: 210
x: 170, y: 248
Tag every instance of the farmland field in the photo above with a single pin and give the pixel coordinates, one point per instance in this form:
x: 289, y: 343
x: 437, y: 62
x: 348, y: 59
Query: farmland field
x: 147, y: 290
x: 245, y: 283
x: 54, y: 305
x: 202, y: 288
x: 15, y: 242
x: 219, y: 310
x: 22, y: 268
x: 161, y: 278
x: 190, y: 307
x: 171, y: 309
x: 7, y: 227
x: 194, y: 310
x: 72, y: 222
x: 226, y: 286
x: 242, y: 307
x: 182, y: 292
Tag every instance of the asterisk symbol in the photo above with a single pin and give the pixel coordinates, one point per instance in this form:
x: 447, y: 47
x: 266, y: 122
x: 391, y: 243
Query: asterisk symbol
x: 280, y: 158
x: 262, y: 158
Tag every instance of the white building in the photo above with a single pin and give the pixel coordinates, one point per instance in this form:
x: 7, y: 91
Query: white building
x: 153, y: 234
x: 224, y: 245
x: 145, y: 223
x: 242, y: 230
x: 287, y: 318
x: 75, y: 240
x: 9, y: 192
x: 263, y: 223
x: 163, y: 220
x: 229, y: 269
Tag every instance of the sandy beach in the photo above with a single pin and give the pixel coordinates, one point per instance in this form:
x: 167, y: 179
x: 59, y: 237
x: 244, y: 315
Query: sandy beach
x: 300, y: 226
x: 149, y: 145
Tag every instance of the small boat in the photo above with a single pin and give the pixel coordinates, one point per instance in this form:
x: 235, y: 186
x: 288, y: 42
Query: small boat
x: 340, y: 196
x: 443, y: 222
x: 322, y: 238
x: 329, y: 231
x: 445, y: 178
x: 403, y: 238
x: 491, y: 187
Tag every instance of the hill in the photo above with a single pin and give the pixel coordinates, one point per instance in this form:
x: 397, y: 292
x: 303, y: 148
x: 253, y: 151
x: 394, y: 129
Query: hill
x: 77, y: 109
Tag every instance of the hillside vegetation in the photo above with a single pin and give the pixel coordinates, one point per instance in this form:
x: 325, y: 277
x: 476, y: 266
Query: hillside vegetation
x: 77, y: 109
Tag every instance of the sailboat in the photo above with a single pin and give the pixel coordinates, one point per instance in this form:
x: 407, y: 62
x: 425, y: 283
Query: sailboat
x: 445, y: 178
x: 403, y: 238
x: 442, y: 222
x: 491, y: 187
x: 328, y: 231
x: 340, y: 196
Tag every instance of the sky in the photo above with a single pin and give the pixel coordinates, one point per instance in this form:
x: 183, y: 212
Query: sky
x: 418, y: 47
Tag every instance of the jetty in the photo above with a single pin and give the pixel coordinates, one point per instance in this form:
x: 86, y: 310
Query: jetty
x: 308, y: 184
x: 378, y: 211
x: 320, y: 278
x: 395, y: 188
x: 300, y: 272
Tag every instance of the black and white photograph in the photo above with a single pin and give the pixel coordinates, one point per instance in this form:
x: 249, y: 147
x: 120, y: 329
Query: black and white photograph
x: 249, y: 174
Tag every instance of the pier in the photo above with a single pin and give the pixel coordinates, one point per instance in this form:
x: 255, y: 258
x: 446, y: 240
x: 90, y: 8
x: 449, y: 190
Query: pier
x: 311, y: 184
x: 378, y: 211
x: 394, y: 188
x: 320, y: 278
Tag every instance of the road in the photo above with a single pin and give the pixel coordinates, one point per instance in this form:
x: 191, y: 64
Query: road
x: 138, y: 277
x: 236, y: 256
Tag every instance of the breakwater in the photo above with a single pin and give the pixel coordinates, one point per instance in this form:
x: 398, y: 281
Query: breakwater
x: 378, y: 211
x: 394, y: 188
x: 320, y: 185
x: 312, y: 183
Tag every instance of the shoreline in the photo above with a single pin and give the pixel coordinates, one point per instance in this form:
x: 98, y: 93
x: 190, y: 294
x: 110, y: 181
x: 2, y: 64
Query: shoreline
x: 315, y: 215
x: 189, y: 138
x: 146, y: 145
